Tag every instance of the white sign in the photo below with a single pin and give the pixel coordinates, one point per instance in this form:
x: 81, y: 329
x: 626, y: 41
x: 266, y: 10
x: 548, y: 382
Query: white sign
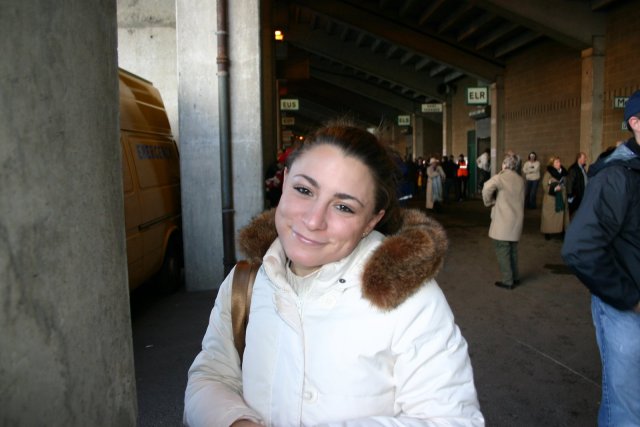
x: 620, y: 101
x: 288, y: 121
x: 289, y: 104
x: 432, y: 108
x: 477, y: 95
x: 404, y: 120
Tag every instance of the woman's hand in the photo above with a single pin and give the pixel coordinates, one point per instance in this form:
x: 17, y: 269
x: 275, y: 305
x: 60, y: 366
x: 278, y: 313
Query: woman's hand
x: 245, y: 423
x: 558, y: 188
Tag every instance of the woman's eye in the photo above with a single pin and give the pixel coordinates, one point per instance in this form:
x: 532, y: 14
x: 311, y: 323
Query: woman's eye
x: 302, y: 190
x: 344, y: 208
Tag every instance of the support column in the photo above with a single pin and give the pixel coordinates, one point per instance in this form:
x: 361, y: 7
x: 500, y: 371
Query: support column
x: 418, y: 136
x: 497, y: 124
x: 447, y: 127
x: 66, y: 353
x: 199, y: 130
x: 592, y: 99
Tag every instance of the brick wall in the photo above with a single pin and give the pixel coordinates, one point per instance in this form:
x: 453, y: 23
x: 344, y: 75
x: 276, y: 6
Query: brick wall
x: 622, y: 68
x: 462, y: 123
x: 542, y: 102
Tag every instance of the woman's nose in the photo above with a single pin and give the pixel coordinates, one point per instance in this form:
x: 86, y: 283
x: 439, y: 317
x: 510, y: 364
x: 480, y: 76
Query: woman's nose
x: 316, y: 216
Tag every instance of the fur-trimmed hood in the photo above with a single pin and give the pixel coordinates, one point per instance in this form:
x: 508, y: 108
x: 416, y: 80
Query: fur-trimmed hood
x: 398, y: 267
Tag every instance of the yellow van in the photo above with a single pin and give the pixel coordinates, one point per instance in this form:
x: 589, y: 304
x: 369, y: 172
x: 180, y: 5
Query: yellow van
x: 151, y: 177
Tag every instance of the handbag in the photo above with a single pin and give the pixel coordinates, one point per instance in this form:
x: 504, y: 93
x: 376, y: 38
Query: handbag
x: 552, y: 187
x: 241, y: 289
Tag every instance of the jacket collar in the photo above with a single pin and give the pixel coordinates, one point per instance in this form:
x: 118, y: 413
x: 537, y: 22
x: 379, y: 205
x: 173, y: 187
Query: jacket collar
x: 396, y: 268
x: 627, y: 154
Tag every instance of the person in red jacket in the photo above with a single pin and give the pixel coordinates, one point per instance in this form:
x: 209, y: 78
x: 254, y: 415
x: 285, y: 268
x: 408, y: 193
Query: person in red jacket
x: 463, y: 177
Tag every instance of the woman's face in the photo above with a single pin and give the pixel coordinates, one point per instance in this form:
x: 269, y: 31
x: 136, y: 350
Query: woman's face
x: 326, y: 206
x: 557, y: 164
x: 532, y: 157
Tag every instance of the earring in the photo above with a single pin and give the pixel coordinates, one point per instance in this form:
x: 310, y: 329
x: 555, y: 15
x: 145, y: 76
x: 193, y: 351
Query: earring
x: 364, y: 234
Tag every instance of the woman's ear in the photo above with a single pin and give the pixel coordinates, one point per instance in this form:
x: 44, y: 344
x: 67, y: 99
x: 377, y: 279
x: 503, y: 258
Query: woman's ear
x: 373, y: 221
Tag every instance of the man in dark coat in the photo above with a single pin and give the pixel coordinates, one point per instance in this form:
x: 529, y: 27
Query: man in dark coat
x: 576, y: 182
x: 602, y: 247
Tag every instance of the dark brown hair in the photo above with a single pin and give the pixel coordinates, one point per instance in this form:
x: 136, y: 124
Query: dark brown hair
x: 361, y: 144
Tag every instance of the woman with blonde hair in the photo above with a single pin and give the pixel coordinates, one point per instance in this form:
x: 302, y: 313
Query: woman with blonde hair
x: 555, y: 212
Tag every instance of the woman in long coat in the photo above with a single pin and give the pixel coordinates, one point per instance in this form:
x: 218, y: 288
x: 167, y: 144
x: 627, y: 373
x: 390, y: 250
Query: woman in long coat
x: 504, y: 193
x: 555, y: 210
x: 435, y: 179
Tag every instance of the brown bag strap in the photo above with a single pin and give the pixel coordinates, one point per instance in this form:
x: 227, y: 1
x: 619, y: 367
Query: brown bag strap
x: 241, y: 289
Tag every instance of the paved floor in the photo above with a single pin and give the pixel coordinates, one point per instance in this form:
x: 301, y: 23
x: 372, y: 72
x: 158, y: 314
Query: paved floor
x: 533, y: 348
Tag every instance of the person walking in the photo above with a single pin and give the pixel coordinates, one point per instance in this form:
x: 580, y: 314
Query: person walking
x: 435, y: 179
x: 531, y: 171
x: 463, y: 177
x: 484, y: 167
x: 450, y: 169
x: 504, y: 193
x: 602, y: 248
x: 576, y: 182
x: 555, y: 214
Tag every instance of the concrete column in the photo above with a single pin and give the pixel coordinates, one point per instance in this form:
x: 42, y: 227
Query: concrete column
x: 199, y: 130
x: 497, y: 124
x: 66, y: 355
x: 447, y: 127
x: 147, y: 47
x: 418, y: 136
x: 592, y: 99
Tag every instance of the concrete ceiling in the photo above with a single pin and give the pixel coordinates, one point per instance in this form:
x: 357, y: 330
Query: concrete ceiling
x: 376, y: 59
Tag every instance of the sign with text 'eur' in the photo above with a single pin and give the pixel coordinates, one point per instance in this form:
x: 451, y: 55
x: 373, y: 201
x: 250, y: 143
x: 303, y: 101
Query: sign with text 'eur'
x: 289, y: 105
x: 477, y: 95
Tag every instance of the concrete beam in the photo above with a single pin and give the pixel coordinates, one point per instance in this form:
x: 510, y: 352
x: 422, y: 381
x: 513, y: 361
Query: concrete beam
x: 327, y: 46
x: 572, y: 23
x: 371, y: 91
x: 406, y: 37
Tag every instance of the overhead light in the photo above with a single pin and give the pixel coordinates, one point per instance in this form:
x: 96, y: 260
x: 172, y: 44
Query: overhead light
x: 279, y: 35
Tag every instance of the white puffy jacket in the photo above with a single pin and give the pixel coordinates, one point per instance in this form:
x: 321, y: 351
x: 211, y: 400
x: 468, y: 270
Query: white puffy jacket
x: 372, y: 344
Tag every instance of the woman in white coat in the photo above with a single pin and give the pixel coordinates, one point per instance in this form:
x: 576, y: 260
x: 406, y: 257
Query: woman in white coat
x: 347, y: 327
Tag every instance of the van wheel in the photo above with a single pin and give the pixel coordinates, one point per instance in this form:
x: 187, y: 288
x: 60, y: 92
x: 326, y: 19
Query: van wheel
x: 170, y: 275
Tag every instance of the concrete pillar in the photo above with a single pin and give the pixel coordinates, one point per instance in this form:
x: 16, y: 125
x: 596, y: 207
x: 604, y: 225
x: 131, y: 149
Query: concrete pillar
x: 447, y: 127
x: 147, y: 47
x: 418, y: 136
x: 66, y: 355
x: 592, y: 99
x: 497, y: 125
x: 199, y: 130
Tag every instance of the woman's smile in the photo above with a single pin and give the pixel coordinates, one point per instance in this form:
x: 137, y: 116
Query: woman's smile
x: 326, y: 207
x: 305, y: 240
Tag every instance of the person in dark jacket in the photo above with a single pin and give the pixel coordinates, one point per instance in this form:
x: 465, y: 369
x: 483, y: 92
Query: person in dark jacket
x: 576, y: 182
x: 602, y: 247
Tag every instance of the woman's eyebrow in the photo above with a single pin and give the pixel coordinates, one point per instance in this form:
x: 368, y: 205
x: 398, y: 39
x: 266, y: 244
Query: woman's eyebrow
x: 348, y: 197
x: 315, y: 184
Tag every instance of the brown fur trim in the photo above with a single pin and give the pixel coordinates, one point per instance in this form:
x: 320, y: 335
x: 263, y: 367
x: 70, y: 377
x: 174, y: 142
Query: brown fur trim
x: 404, y: 261
x: 255, y: 239
x: 397, y: 268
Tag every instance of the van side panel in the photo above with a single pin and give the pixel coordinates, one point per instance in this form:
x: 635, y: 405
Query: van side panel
x: 132, y: 218
x: 151, y: 176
